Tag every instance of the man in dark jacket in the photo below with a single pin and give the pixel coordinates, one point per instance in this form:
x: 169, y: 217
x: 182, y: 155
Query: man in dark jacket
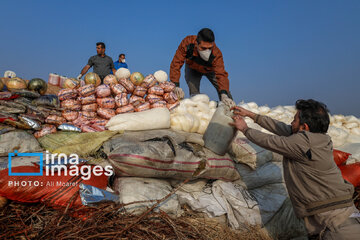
x: 315, y: 185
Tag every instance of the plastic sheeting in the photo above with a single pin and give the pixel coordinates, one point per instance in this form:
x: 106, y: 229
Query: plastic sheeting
x: 91, y: 195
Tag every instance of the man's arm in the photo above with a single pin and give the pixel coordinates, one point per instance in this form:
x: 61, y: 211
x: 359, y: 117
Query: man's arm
x: 84, y: 71
x: 272, y: 125
x: 222, y: 77
x: 288, y: 146
x: 293, y: 146
x: 178, y: 62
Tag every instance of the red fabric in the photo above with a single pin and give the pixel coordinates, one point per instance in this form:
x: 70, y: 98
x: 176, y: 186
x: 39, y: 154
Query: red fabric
x: 340, y: 157
x: 55, y: 191
x: 3, y: 119
x: 351, y: 173
x: 10, y: 98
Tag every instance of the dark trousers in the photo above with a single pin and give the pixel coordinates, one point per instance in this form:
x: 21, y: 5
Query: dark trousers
x: 193, y: 79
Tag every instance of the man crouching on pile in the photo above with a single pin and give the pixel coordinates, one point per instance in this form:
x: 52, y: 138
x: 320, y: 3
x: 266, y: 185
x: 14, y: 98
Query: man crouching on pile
x: 316, y: 188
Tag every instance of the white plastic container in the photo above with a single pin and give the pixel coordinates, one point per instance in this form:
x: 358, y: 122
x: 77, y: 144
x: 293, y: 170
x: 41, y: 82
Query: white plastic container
x: 54, y: 79
x: 219, y: 134
x: 62, y: 80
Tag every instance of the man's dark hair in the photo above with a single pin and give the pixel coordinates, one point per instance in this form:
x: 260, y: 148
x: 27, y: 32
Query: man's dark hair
x: 315, y: 114
x: 206, y: 35
x: 122, y: 54
x: 101, y: 44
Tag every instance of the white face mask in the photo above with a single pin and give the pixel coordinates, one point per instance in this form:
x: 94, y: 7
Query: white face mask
x: 123, y: 60
x: 205, y: 54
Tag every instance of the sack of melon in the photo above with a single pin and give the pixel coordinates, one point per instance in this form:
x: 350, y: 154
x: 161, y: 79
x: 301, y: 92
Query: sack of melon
x: 92, y: 78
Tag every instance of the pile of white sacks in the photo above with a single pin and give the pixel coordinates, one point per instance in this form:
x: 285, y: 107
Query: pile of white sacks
x: 258, y: 198
x: 343, y: 129
x: 195, y: 113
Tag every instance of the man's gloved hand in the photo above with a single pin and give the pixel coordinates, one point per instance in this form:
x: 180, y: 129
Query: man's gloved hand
x: 179, y: 93
x: 79, y: 77
x: 227, y: 101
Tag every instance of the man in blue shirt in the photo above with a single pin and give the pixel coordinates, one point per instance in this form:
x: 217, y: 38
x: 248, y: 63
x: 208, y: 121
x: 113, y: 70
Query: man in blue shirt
x: 121, y: 62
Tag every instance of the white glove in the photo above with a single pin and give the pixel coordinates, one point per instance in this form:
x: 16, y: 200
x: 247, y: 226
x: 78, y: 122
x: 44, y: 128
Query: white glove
x: 79, y: 77
x: 227, y: 101
x: 179, y: 93
x: 9, y: 74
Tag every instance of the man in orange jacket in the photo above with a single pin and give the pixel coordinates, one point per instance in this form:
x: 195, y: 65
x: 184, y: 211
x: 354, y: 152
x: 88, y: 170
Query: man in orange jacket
x: 201, y: 57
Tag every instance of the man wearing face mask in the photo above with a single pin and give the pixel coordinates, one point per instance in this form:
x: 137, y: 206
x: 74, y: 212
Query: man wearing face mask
x: 201, y: 57
x: 121, y: 63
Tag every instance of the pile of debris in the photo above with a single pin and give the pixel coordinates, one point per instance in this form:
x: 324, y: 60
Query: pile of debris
x: 109, y: 221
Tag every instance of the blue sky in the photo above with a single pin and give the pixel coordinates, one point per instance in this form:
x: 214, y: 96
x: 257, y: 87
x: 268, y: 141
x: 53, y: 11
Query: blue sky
x: 275, y: 51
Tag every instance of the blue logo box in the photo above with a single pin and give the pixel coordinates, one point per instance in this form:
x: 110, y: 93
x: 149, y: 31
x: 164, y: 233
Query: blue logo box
x: 15, y: 153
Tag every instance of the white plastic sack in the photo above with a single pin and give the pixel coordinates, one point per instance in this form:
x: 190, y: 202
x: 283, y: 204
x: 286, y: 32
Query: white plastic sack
x: 352, y: 138
x: 354, y: 149
x: 338, y: 136
x: 200, y: 98
x: 132, y: 189
x: 199, y: 198
x: 21, y: 141
x: 244, y: 151
x: 240, y: 206
x: 269, y: 173
x: 156, y: 118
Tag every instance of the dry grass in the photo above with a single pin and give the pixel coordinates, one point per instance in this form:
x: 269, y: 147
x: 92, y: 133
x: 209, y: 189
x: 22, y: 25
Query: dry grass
x: 109, y: 221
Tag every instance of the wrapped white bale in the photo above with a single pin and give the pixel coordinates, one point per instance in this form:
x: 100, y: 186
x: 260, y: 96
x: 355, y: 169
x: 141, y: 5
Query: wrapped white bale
x: 201, y: 98
x: 188, y: 102
x: 203, y: 107
x: 352, y: 119
x: 132, y: 189
x: 203, y: 126
x: 244, y: 105
x: 212, y: 105
x: 337, y: 124
x: 156, y: 118
x: 278, y: 110
x: 264, y: 110
x: 339, y: 118
x: 351, y: 125
x: 292, y: 109
x: 253, y: 105
x: 355, y: 131
x: 352, y: 138
x: 338, y: 136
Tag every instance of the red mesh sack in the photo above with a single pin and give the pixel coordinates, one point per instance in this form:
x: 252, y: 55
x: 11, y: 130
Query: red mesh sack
x: 340, y: 157
x: 351, y: 173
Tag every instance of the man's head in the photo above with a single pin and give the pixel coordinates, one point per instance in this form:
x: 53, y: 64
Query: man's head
x: 122, y: 58
x: 100, y: 48
x: 205, y: 39
x: 311, y: 116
